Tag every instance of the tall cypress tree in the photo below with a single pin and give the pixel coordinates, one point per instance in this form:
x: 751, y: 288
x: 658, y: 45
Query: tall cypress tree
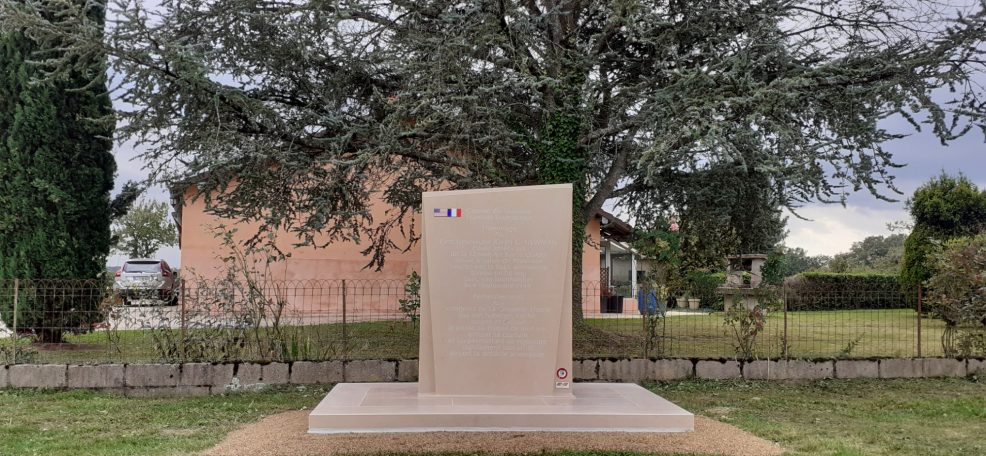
x: 56, y: 174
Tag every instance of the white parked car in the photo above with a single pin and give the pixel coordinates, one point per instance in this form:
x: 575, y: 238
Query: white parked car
x: 146, y: 279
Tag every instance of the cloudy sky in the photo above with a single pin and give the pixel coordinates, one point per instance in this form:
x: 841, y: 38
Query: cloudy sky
x: 832, y: 228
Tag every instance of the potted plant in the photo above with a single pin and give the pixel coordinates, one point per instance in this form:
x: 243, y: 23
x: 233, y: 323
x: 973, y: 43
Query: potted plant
x: 678, y: 288
x: 693, y: 303
x: 685, y: 301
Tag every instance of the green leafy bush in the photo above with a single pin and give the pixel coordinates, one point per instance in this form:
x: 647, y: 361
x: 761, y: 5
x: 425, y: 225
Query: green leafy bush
x: 745, y: 325
x: 943, y: 208
x: 411, y: 304
x: 957, y: 294
x: 915, y: 270
x: 702, y: 285
x: 773, y: 269
x: 949, y: 204
x: 833, y: 291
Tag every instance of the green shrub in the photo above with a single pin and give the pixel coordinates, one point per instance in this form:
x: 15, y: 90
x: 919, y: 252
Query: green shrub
x: 411, y: 303
x: 773, y: 269
x: 952, y: 205
x: 702, y: 285
x: 915, y: 268
x: 833, y: 291
x: 943, y: 208
x: 957, y: 294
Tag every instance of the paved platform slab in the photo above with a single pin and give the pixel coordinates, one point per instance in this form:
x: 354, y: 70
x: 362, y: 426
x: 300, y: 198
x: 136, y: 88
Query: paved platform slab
x: 397, y: 407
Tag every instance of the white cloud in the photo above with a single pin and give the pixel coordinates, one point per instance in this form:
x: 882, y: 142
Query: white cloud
x: 170, y: 254
x: 832, y: 228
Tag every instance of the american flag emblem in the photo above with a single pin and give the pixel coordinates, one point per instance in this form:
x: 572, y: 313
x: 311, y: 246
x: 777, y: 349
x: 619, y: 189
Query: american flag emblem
x: 455, y: 212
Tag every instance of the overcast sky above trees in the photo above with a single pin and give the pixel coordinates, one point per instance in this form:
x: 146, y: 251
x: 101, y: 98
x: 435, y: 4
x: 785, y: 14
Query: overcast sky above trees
x: 833, y: 229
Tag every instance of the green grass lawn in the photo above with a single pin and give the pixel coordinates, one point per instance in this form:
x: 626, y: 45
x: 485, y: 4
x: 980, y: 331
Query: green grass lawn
x: 831, y: 417
x: 810, y: 334
x: 848, y: 417
x: 85, y: 422
x: 849, y: 333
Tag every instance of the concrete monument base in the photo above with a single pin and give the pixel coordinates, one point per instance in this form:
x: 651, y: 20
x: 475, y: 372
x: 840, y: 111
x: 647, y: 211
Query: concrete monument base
x: 397, y: 407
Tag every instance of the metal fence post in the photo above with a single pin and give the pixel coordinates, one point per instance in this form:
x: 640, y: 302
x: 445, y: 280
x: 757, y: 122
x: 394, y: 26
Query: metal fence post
x: 644, y: 322
x: 345, y: 340
x: 182, y: 318
x: 920, y: 311
x: 13, y: 336
x: 784, y: 341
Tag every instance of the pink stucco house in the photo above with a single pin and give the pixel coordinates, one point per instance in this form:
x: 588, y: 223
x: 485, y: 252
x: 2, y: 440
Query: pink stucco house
x: 312, y: 276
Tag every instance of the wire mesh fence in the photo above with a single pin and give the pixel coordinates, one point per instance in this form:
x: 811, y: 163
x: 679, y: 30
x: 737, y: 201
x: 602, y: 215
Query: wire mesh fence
x: 72, y: 321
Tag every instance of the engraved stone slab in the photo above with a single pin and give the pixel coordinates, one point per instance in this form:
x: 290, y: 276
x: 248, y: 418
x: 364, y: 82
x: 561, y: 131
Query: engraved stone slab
x: 496, y: 331
x: 496, y: 292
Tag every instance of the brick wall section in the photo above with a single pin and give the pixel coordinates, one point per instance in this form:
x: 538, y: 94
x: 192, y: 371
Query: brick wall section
x: 206, y: 378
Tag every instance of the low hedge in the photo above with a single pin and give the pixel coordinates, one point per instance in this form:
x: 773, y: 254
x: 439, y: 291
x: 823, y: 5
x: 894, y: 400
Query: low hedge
x: 832, y: 291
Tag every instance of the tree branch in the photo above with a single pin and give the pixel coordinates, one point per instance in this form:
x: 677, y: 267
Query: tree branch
x: 609, y: 182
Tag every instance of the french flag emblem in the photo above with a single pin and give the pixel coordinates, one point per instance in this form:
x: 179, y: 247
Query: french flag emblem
x: 452, y: 212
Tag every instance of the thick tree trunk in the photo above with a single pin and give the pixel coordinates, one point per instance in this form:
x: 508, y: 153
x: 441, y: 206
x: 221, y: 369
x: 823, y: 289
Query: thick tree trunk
x: 578, y: 248
x: 563, y: 160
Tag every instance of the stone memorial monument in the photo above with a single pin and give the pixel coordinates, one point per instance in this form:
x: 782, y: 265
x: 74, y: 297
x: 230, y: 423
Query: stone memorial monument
x: 496, y: 331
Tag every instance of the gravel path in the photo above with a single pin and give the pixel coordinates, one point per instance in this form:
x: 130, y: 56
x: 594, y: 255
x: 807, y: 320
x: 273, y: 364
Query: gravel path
x: 286, y: 434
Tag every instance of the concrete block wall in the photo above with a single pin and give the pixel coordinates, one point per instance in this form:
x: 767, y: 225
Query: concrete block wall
x: 207, y: 378
x: 718, y: 369
x: 201, y: 378
x: 37, y: 375
x: 974, y: 366
x: 788, y: 370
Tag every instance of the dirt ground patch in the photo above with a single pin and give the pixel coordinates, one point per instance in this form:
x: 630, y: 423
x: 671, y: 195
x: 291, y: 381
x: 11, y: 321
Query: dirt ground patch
x: 287, y: 434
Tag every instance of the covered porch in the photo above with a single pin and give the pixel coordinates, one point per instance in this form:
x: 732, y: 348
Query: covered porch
x: 621, y: 267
